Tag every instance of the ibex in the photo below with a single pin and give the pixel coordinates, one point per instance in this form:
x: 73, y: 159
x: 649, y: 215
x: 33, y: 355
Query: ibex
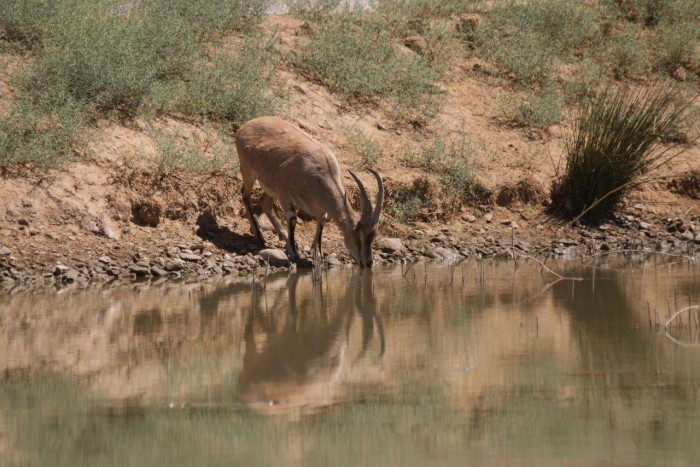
x: 302, y: 174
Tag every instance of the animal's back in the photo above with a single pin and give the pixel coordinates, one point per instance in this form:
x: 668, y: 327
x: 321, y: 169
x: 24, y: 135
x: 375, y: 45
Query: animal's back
x: 290, y: 165
x: 268, y: 144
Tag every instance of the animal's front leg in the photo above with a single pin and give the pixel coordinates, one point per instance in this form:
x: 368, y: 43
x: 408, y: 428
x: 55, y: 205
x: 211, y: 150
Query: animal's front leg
x: 292, y: 251
x: 317, y: 238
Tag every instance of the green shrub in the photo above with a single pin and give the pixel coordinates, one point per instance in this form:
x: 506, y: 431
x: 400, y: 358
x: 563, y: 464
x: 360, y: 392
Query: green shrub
x: 211, y: 16
x: 357, y: 58
x: 109, y: 61
x: 26, y: 21
x: 232, y: 87
x: 38, y: 139
x: 529, y: 38
x: 453, y: 162
x: 409, y: 203
x: 615, y: 144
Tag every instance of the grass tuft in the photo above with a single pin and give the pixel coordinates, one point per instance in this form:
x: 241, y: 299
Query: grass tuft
x: 615, y: 144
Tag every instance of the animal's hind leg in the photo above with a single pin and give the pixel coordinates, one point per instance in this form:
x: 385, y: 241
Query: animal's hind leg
x: 254, y: 227
x: 268, y: 206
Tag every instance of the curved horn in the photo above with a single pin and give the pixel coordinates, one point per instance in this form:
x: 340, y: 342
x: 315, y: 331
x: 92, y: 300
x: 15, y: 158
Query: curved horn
x: 365, y: 204
x: 379, y: 201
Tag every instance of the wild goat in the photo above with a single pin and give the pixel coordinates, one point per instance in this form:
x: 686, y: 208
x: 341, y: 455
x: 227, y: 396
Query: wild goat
x: 303, y: 175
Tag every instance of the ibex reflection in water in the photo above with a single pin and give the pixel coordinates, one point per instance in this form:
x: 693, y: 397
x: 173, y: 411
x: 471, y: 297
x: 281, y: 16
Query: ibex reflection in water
x: 304, y: 175
x: 299, y: 369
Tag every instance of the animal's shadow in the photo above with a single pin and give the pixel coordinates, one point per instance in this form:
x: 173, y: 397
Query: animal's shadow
x: 208, y: 228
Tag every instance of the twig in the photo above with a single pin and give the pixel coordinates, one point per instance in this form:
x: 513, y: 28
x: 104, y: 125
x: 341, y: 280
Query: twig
x: 694, y: 307
x: 409, y: 268
x: 546, y: 268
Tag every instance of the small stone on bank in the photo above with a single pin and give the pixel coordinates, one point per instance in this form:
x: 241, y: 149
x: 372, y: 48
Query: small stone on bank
x: 190, y: 257
x: 275, y: 257
x: 390, y: 245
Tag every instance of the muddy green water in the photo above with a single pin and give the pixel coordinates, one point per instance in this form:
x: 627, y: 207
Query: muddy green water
x: 466, y: 364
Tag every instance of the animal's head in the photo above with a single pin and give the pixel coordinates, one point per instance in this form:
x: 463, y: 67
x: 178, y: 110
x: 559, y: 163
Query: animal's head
x: 359, y: 241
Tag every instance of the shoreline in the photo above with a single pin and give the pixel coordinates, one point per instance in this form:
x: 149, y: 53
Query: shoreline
x: 203, y: 260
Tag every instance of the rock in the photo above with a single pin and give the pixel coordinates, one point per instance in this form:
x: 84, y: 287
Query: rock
x: 274, y: 256
x: 680, y: 74
x: 688, y: 236
x: 469, y: 218
x: 604, y: 227
x: 190, y: 257
x: 140, y: 271
x: 506, y: 222
x: 70, y: 276
x: 488, y: 217
x: 441, y: 253
x: 175, y: 265
x: 390, y: 245
x: 4, y: 251
x: 697, y: 239
x: 104, y: 259
x: 158, y: 272
x: 416, y: 43
x: 60, y: 269
x: 107, y: 227
x: 567, y: 241
x: 644, y: 226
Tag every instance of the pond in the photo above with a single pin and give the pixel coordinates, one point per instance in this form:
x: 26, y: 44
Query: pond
x: 471, y: 363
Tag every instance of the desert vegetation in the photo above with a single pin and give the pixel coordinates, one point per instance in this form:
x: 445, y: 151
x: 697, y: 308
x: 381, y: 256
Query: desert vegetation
x: 72, y: 67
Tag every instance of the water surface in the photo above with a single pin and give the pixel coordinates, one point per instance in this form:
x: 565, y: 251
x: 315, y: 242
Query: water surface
x: 475, y: 363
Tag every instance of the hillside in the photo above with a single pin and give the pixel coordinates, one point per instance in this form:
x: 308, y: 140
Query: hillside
x: 467, y: 144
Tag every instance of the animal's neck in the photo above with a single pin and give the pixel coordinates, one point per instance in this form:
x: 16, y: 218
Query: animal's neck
x: 345, y: 218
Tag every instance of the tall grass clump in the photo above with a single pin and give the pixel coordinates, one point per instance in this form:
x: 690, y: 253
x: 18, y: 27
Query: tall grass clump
x: 357, y: 58
x: 615, y: 144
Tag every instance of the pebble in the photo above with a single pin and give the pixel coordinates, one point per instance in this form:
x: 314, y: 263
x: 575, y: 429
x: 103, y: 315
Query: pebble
x: 4, y: 251
x: 488, y: 217
x: 60, y: 269
x: 441, y: 253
